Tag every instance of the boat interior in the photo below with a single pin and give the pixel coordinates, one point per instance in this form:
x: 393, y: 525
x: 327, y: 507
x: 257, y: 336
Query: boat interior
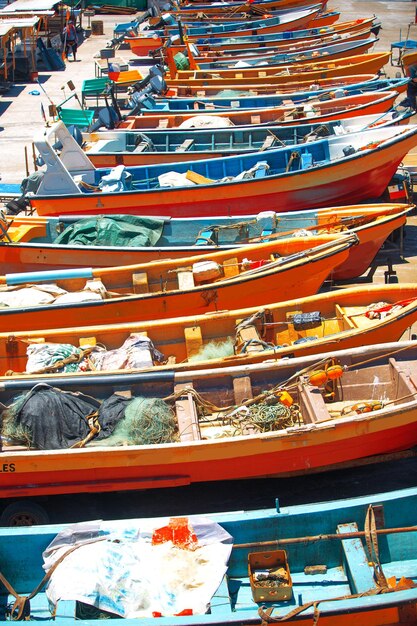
x: 181, y: 232
x: 222, y: 404
x: 276, y: 330
x: 315, y: 569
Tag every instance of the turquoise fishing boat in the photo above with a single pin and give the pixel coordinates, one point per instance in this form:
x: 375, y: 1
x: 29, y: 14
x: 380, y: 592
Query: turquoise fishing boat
x: 112, y: 148
x: 340, y: 562
x: 286, y: 21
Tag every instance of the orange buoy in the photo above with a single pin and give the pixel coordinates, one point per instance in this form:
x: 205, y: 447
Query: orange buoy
x: 317, y: 378
x: 334, y: 371
x: 367, y: 407
x: 285, y: 398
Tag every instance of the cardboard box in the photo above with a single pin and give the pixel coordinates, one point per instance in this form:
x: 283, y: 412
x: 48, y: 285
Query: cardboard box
x: 264, y: 563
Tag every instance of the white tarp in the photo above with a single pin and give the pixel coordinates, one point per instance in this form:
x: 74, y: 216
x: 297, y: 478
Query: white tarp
x: 29, y: 5
x: 140, y: 567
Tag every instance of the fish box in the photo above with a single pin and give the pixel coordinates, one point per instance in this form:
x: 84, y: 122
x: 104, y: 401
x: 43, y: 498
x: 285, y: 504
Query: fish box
x: 269, y: 576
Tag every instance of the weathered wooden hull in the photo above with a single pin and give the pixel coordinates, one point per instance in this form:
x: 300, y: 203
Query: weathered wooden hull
x: 364, y: 176
x: 165, y: 298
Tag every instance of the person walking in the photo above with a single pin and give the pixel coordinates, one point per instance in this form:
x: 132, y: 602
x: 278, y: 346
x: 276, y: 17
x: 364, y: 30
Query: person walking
x: 70, y: 39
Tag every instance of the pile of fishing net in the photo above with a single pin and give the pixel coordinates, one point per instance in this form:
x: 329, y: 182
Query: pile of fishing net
x: 47, y: 418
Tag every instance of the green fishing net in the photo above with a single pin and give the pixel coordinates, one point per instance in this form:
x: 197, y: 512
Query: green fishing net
x: 214, y: 350
x: 146, y: 421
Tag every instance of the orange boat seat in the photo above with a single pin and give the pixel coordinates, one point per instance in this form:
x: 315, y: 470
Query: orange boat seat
x: 193, y: 340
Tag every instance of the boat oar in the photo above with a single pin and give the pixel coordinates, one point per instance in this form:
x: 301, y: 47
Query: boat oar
x: 324, y: 537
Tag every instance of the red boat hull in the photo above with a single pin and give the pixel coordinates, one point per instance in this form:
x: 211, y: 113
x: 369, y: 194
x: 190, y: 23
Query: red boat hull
x: 364, y: 176
x: 75, y: 471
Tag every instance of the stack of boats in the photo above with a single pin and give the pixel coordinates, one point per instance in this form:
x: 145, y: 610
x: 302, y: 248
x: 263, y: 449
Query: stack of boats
x: 172, y: 311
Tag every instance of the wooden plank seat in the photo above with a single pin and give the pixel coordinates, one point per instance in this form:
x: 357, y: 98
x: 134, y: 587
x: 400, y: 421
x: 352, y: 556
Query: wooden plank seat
x: 270, y: 141
x: 360, y: 573
x: 405, y: 378
x: 187, y: 417
x: 315, y: 408
x: 143, y: 146
x: 248, y: 337
x: 186, y: 145
x: 185, y: 280
x: 354, y: 316
x: 193, y: 340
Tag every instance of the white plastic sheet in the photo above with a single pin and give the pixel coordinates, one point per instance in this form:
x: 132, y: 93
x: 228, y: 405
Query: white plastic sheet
x: 141, y: 567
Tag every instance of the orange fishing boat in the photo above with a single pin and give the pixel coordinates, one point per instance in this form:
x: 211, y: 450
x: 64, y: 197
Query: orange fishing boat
x: 30, y: 243
x: 211, y: 419
x: 164, y: 289
x: 342, y: 319
x: 314, y: 110
x: 185, y: 90
x: 274, y: 58
x: 362, y: 64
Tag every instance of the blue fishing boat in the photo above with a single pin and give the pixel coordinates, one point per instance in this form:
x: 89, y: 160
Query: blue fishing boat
x: 284, y: 22
x: 350, y: 561
x: 217, y: 103
x: 336, y: 170
x: 290, y: 35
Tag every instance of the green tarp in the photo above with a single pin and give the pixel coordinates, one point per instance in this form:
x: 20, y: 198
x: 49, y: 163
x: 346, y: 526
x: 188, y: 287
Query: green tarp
x: 117, y: 230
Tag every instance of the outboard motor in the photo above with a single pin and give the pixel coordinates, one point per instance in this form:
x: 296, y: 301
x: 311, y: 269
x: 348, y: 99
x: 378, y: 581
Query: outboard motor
x: 141, y: 98
x: 107, y: 117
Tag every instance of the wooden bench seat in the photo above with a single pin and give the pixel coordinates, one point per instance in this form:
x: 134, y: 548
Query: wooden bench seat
x: 313, y: 403
x: 187, y: 144
x: 187, y: 417
x: 353, y: 316
x: 360, y: 573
